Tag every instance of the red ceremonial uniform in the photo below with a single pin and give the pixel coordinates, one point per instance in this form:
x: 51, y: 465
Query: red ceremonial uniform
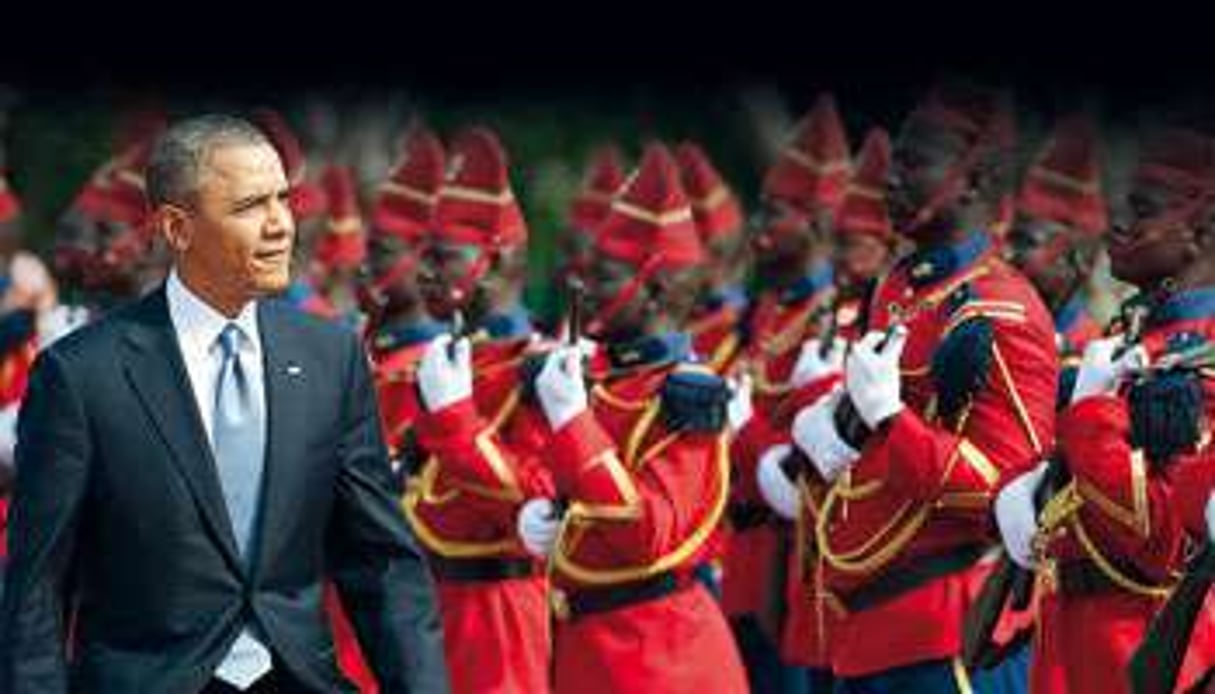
x: 644, y: 474
x: 764, y: 576
x: 920, y: 493
x: 486, y: 459
x: 1117, y: 525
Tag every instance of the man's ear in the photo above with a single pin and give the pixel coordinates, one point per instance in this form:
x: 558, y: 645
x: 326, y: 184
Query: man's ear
x: 175, y: 225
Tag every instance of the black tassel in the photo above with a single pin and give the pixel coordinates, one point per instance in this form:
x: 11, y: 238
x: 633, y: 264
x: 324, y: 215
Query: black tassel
x: 961, y: 363
x: 1166, y: 414
x: 694, y: 400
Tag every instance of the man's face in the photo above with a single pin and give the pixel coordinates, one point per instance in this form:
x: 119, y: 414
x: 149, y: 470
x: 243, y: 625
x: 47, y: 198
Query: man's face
x: 727, y: 258
x: 240, y: 230
x: 444, y: 274
x: 1156, y: 242
x: 1040, y: 248
x: 384, y: 254
x: 862, y: 257
x: 924, y: 157
x: 782, y: 241
x: 606, y: 279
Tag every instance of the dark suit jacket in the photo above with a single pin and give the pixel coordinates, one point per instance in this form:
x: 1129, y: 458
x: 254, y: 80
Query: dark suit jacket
x: 117, y: 490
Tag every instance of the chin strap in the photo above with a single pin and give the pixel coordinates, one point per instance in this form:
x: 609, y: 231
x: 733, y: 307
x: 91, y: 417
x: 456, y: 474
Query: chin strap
x: 626, y: 294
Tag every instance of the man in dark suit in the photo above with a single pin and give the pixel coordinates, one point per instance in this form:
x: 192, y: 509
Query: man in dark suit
x: 196, y: 464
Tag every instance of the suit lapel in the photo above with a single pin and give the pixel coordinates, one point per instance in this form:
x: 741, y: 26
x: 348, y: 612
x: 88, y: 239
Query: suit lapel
x: 286, y: 410
x: 154, y: 367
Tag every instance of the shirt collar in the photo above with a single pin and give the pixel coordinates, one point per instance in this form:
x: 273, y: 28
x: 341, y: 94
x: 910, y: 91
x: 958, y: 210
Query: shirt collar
x: 408, y: 335
x: 198, y: 325
x: 931, y: 265
x: 512, y: 323
x: 819, y: 278
x: 1191, y: 304
x: 1071, y: 311
x: 651, y: 349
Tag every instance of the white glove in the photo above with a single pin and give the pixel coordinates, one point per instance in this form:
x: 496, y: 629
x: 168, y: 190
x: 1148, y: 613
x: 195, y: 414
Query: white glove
x: 445, y: 380
x: 814, y: 432
x: 537, y: 526
x: 776, y: 488
x: 872, y: 376
x: 1017, y: 518
x: 740, y: 409
x: 560, y: 387
x: 1211, y: 517
x: 812, y: 365
x: 1100, y: 373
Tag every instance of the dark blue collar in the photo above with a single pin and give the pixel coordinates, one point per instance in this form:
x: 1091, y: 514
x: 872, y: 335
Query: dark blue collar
x: 506, y: 325
x: 1071, y: 311
x: 651, y: 349
x: 733, y: 296
x: 927, y: 266
x: 398, y: 337
x: 821, y: 276
x: 1191, y: 304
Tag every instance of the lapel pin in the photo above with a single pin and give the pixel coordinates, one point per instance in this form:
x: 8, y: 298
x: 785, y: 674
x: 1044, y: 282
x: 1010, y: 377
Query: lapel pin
x: 294, y: 370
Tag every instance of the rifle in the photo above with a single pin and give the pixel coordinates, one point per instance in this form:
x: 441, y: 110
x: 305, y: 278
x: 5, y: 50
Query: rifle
x: 1157, y: 661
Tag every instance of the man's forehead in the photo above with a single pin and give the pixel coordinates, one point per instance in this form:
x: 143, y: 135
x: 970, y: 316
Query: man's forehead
x: 244, y: 167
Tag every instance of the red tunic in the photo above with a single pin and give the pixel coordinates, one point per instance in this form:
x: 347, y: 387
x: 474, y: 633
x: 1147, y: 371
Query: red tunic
x: 923, y: 486
x: 643, y: 501
x: 486, y: 461
x: 1129, y: 524
x: 778, y: 327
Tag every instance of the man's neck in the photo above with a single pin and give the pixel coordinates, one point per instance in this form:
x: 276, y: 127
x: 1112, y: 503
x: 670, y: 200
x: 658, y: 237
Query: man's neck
x: 225, y: 303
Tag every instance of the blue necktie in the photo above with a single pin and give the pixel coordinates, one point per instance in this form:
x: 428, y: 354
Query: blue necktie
x: 239, y: 442
x: 238, y: 439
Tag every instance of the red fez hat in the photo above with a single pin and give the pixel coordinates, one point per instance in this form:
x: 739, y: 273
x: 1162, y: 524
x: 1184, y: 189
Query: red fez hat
x: 651, y: 221
x: 1179, y: 158
x: 476, y: 204
x: 604, y: 176
x: 714, y: 206
x: 1064, y: 183
x: 405, y: 203
x: 306, y: 198
x: 10, y: 206
x: 812, y: 170
x: 863, y: 210
x: 343, y: 244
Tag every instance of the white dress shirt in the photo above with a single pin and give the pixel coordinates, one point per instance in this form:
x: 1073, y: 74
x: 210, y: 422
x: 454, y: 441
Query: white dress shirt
x: 198, y: 327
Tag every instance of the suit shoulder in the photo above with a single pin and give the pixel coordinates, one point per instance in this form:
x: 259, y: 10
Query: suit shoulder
x: 97, y: 338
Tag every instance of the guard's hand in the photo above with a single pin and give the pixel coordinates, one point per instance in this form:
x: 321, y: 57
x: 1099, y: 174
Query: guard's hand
x: 445, y: 372
x: 812, y: 365
x: 1100, y: 373
x: 1211, y: 518
x: 537, y: 526
x: 1017, y: 518
x: 814, y: 432
x: 741, y: 408
x: 775, y: 486
x: 560, y: 386
x: 872, y: 376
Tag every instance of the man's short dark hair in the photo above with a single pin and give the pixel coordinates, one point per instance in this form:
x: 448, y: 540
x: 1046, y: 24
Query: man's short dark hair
x: 180, y: 153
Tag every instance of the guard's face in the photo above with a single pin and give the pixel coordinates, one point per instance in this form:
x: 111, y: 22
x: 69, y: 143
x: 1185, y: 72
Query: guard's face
x: 239, y: 229
x: 923, y: 158
x: 1040, y: 248
x: 862, y: 257
x: 443, y: 277
x: 1158, y: 239
x: 606, y: 279
x: 780, y: 242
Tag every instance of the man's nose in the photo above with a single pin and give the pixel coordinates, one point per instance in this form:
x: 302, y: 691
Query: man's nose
x: 280, y: 221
